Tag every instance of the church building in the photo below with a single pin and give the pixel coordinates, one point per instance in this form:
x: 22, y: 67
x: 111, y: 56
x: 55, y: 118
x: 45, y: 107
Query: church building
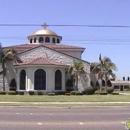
x: 44, y: 63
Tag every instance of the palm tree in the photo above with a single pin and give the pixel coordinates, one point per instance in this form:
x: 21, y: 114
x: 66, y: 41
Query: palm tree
x: 104, y: 68
x: 6, y: 55
x: 94, y: 67
x: 77, y: 71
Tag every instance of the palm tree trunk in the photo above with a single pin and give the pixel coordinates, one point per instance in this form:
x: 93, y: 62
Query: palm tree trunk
x: 77, y: 83
x: 4, y: 72
x: 101, y: 85
x: 105, y: 82
x: 4, y: 81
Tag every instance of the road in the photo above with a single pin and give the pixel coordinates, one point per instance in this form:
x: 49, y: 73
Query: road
x: 89, y: 118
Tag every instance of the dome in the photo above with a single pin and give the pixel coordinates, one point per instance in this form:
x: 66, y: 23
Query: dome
x: 44, y: 32
x: 44, y: 36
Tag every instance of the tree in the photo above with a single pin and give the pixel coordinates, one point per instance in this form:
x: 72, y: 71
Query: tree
x: 6, y: 55
x: 77, y: 71
x: 104, y: 68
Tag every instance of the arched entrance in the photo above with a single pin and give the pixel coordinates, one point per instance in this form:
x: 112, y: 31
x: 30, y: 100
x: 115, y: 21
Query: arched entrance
x: 58, y: 80
x: 22, y: 80
x: 40, y: 80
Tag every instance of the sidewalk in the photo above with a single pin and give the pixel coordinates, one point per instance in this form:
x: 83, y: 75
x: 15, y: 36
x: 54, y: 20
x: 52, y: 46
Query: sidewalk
x: 124, y: 93
x: 78, y: 103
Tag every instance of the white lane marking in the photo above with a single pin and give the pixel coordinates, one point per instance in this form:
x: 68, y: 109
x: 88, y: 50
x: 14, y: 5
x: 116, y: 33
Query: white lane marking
x: 122, y: 122
x: 39, y: 123
x: 81, y: 123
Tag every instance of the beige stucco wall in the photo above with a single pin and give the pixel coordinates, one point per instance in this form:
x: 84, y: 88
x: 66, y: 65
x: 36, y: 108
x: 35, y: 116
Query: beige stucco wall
x: 73, y: 53
x: 50, y: 77
x: 44, y: 52
x: 59, y: 57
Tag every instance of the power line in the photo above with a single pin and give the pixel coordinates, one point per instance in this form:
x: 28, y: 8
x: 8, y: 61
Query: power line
x: 19, y: 24
x: 71, y: 25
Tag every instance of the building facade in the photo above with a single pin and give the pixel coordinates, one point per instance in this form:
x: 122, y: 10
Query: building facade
x: 44, y: 64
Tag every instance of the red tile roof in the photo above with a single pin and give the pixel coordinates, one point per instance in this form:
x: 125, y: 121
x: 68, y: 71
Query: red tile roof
x: 40, y: 61
x: 25, y: 47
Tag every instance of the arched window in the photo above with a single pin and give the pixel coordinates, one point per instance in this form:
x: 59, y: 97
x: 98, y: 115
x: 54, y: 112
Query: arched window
x: 41, y: 40
x: 31, y: 40
x: 47, y: 39
x: 53, y: 40
x: 58, y: 41
x: 91, y: 83
x: 13, y: 85
x: 35, y: 40
x: 22, y: 80
x: 40, y: 80
x: 58, y: 80
x: 103, y: 83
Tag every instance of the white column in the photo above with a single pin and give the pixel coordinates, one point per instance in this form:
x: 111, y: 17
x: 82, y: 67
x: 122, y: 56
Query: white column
x: 17, y: 79
x: 63, y: 80
x: 50, y: 79
x: 30, y: 79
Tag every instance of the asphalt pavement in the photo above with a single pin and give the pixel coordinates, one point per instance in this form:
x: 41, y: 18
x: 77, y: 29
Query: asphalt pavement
x: 90, y: 118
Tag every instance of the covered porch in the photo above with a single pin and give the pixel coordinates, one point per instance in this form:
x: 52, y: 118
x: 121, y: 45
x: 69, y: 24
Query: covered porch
x: 121, y: 85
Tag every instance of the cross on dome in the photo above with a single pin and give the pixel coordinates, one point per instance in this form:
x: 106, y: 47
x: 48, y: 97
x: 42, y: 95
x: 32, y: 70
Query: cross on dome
x: 44, y: 25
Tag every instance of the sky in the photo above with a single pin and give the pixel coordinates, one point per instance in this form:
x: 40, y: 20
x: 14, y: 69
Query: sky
x: 112, y: 42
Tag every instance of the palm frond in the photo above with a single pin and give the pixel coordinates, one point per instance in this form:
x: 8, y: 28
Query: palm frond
x: 103, y: 68
x: 1, y: 72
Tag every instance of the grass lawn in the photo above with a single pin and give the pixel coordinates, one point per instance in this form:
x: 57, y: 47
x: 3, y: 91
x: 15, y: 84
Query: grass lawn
x: 64, y: 98
x: 123, y: 91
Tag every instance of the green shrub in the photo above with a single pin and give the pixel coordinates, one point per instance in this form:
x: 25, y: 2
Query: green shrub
x: 97, y: 92
x: 95, y: 89
x: 51, y: 94
x: 68, y: 94
x: 20, y: 93
x: 115, y: 93
x: 103, y: 93
x: 46, y: 93
x: 78, y: 93
x: 39, y: 93
x: 11, y: 93
x: 60, y: 93
x: 2, y: 92
x: 88, y: 90
x: 73, y: 92
x: 31, y: 92
x: 68, y: 90
x: 110, y: 90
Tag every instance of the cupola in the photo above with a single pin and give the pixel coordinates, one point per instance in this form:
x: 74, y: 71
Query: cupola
x: 44, y: 36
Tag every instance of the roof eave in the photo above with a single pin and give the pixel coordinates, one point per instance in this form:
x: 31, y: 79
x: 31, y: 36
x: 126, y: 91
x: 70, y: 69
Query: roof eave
x: 40, y: 65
